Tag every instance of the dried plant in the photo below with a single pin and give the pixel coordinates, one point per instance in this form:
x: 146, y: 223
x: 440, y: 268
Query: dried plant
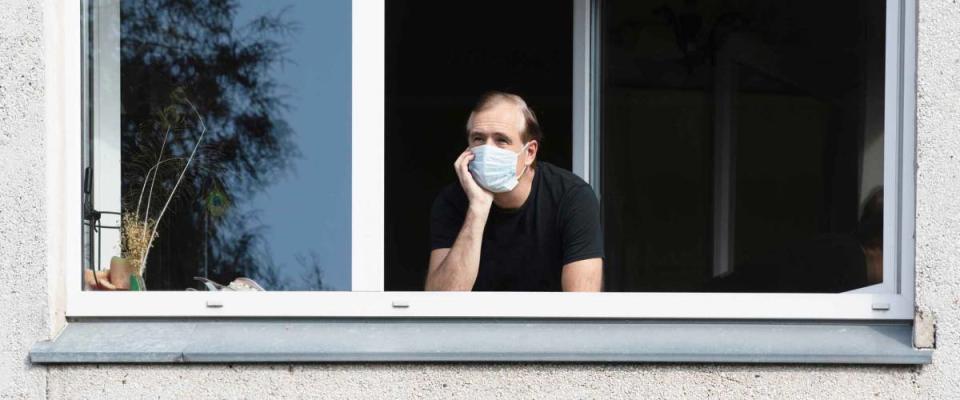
x: 139, y: 231
x: 134, y: 241
x: 193, y: 153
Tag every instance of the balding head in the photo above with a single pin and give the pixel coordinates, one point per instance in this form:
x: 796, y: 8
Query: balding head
x: 501, y: 103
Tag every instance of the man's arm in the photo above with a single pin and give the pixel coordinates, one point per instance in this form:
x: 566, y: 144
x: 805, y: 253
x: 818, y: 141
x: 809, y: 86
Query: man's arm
x: 456, y: 268
x: 583, y: 276
x: 582, y: 241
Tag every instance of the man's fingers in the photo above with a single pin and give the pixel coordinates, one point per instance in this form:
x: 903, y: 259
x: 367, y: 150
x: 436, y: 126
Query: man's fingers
x: 465, y: 166
x: 463, y: 172
x: 456, y: 164
x: 462, y: 162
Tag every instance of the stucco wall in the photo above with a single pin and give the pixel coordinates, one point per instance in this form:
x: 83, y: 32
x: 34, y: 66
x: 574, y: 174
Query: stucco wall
x: 23, y: 291
x: 25, y: 313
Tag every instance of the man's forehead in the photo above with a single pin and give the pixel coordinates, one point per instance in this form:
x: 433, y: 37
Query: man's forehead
x: 504, y: 117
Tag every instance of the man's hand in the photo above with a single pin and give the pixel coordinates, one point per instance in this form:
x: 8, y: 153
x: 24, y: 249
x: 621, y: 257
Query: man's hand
x: 480, y: 198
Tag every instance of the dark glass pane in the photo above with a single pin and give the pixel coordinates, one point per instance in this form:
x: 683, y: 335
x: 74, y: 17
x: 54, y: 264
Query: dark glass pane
x: 753, y: 128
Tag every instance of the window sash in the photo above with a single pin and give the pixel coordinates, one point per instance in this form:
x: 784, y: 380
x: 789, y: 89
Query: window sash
x: 891, y: 300
x: 367, y: 246
x: 105, y: 127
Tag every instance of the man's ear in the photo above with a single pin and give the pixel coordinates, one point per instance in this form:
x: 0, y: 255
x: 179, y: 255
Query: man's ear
x: 532, y: 147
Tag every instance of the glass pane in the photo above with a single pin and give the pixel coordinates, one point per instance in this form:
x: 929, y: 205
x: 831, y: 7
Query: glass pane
x: 224, y: 127
x: 742, y: 145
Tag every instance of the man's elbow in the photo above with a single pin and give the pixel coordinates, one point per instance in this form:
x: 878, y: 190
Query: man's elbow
x: 583, y: 276
x: 432, y: 285
x: 444, y: 287
x: 437, y: 281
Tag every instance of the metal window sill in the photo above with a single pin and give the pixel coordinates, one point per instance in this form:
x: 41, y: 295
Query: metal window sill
x: 478, y: 340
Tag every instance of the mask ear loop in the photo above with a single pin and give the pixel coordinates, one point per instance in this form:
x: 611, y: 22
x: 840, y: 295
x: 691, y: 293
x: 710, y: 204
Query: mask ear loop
x: 524, y: 151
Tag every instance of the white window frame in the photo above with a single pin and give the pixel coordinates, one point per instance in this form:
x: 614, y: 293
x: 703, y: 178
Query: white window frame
x: 894, y: 300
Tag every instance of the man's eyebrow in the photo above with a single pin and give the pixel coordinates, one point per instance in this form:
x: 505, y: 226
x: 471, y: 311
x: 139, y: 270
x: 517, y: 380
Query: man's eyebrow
x: 498, y: 135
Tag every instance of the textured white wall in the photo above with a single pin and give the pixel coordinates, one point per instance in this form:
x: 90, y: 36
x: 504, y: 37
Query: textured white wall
x: 25, y: 318
x: 23, y: 275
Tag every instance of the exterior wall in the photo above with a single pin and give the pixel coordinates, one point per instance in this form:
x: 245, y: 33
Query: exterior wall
x: 28, y: 306
x: 23, y: 295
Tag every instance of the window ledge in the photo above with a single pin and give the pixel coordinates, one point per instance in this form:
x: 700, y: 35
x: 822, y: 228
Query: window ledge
x: 484, y: 340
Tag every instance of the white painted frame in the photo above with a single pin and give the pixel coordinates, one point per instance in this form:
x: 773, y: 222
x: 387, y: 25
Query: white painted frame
x: 105, y: 35
x: 64, y: 230
x: 367, y: 248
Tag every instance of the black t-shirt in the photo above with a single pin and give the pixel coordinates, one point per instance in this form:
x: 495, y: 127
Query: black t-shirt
x: 525, y: 249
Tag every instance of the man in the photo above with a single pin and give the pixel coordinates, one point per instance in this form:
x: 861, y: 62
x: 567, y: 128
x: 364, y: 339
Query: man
x: 511, y: 223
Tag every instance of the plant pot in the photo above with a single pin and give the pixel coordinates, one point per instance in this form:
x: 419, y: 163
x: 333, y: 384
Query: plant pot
x: 120, y: 276
x: 120, y: 273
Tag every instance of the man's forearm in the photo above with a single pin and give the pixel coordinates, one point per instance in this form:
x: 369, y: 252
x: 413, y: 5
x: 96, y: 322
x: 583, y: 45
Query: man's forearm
x: 459, y: 268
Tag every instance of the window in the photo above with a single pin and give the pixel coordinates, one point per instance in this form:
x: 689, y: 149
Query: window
x: 732, y: 147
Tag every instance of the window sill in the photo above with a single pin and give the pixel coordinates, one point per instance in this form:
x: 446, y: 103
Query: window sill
x: 480, y: 340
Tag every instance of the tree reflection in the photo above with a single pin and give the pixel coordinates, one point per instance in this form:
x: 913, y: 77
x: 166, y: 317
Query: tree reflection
x: 198, y: 47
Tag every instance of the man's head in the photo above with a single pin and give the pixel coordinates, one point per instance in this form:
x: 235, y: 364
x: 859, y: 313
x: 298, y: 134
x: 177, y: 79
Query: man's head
x: 504, y: 120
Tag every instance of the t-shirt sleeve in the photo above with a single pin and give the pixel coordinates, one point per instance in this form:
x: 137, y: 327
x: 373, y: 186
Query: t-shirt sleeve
x: 580, y: 229
x: 446, y: 220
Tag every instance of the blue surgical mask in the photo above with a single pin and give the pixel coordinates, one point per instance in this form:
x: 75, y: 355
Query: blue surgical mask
x: 494, y: 168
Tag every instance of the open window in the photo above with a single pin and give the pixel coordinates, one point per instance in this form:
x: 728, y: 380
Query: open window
x: 738, y: 152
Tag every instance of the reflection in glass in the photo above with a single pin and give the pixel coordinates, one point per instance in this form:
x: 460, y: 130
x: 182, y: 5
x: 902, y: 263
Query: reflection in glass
x: 234, y: 142
x: 742, y: 145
